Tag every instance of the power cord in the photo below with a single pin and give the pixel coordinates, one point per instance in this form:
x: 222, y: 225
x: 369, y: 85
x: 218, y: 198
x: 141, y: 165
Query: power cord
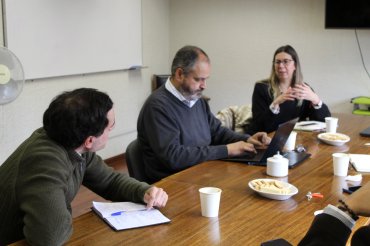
x: 362, y: 58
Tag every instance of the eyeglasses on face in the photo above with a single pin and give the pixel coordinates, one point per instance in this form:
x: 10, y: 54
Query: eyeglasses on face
x: 285, y: 62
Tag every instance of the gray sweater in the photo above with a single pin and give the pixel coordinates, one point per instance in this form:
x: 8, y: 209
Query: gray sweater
x: 174, y: 137
x: 39, y: 181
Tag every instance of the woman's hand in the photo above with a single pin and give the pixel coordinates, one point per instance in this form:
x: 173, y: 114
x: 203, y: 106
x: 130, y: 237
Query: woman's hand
x: 304, y: 92
x: 288, y: 95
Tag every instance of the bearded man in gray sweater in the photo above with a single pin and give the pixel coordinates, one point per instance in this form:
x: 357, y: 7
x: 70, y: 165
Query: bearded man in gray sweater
x: 176, y: 128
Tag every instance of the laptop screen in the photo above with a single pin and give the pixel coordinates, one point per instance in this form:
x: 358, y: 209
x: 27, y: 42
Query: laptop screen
x: 279, y: 139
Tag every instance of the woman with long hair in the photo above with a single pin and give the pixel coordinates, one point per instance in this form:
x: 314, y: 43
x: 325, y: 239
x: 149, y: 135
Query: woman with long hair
x: 284, y: 96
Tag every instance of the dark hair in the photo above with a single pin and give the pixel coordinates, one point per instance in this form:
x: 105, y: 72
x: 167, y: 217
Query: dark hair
x: 75, y: 115
x: 186, y: 58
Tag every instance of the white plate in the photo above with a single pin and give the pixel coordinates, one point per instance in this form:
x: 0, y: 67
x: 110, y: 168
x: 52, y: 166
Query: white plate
x: 336, y: 139
x: 309, y: 125
x: 292, y: 190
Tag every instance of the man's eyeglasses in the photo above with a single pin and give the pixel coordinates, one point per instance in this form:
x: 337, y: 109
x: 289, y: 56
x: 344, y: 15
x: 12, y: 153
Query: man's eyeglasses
x: 285, y: 62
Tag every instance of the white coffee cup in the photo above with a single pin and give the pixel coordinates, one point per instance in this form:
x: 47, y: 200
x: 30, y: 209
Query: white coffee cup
x: 210, y: 201
x: 340, y: 164
x: 331, y: 124
x: 290, y: 142
x: 277, y: 166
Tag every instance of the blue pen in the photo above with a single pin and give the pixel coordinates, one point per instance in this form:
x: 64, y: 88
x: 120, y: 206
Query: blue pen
x: 117, y: 213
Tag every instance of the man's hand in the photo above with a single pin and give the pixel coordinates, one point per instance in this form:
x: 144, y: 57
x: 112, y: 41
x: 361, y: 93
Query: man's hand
x: 155, y: 197
x: 359, y: 201
x: 259, y: 139
x: 239, y: 148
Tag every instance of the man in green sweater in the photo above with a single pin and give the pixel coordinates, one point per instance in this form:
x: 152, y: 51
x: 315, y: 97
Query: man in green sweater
x: 40, y: 179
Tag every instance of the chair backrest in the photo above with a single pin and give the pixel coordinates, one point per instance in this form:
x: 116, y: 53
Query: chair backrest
x: 135, y: 163
x: 236, y: 118
x: 159, y: 80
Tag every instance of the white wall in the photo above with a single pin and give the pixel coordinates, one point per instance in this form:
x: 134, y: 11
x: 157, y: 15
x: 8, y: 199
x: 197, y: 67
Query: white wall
x: 240, y: 36
x: 128, y: 89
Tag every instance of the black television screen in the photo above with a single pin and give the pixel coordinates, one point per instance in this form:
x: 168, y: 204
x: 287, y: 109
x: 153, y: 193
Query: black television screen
x: 347, y: 14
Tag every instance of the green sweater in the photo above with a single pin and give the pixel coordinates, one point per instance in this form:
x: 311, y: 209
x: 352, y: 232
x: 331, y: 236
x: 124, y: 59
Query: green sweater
x: 39, y: 181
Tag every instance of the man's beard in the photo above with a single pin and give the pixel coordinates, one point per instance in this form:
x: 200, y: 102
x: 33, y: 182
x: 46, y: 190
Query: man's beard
x: 191, y: 95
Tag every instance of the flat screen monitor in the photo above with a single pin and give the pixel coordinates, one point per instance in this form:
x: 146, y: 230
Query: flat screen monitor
x: 347, y: 14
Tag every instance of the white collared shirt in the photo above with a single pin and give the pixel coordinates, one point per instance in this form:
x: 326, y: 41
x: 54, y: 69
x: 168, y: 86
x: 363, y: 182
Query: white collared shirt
x: 171, y: 88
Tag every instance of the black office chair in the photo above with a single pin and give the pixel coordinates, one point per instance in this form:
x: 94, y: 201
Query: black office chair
x: 135, y: 163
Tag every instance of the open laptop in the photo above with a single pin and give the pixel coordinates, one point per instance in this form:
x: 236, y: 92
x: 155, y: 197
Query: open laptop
x: 277, y: 144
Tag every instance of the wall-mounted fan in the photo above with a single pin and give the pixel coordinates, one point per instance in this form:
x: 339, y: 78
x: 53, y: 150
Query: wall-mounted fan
x: 11, y: 76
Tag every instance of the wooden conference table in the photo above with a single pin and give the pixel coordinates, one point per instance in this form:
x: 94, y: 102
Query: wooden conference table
x: 245, y: 218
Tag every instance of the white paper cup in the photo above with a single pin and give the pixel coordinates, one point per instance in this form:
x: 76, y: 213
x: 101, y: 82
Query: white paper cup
x: 340, y: 164
x: 210, y: 201
x: 290, y: 142
x: 331, y: 124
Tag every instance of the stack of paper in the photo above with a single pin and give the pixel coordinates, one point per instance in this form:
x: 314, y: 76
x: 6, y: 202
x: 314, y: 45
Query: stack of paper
x: 309, y: 126
x: 126, y: 215
x: 361, y: 162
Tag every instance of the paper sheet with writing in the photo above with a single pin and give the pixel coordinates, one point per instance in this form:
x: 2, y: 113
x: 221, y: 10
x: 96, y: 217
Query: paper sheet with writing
x: 128, y: 215
x: 361, y: 162
x: 310, y: 125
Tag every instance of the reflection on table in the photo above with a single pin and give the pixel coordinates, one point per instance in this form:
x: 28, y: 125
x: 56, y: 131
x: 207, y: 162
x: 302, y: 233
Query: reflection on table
x: 245, y: 218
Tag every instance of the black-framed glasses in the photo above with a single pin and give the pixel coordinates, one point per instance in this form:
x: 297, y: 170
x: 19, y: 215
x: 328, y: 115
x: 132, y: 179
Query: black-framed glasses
x: 285, y: 62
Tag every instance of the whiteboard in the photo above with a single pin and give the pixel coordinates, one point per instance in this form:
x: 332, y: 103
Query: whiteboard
x: 66, y: 37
